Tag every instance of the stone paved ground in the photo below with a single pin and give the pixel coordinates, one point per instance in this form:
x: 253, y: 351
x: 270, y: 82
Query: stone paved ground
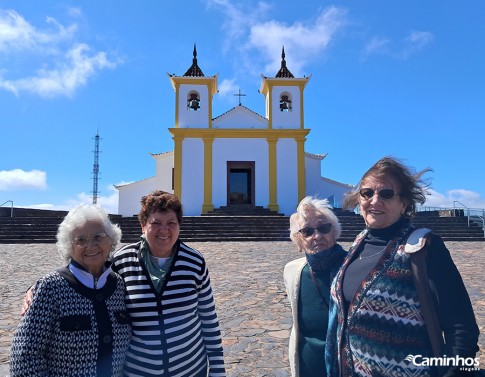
x: 249, y: 292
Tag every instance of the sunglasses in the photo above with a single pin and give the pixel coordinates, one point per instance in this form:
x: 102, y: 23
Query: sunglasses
x: 386, y: 194
x: 308, y: 230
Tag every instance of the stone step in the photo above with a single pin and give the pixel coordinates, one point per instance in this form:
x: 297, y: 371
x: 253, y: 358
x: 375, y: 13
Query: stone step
x: 218, y: 227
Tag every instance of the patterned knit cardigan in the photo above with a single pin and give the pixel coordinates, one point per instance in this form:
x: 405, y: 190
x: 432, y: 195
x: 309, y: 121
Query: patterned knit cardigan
x: 176, y: 331
x: 384, y: 322
x: 72, y: 330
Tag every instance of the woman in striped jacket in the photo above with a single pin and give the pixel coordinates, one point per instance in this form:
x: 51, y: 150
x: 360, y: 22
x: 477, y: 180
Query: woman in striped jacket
x: 169, y: 298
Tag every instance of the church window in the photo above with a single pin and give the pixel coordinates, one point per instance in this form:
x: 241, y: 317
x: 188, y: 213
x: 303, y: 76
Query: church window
x: 285, y: 102
x: 193, y: 101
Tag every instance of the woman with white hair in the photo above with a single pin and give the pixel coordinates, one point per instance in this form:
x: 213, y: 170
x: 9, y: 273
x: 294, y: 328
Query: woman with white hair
x: 77, y: 324
x: 314, y: 229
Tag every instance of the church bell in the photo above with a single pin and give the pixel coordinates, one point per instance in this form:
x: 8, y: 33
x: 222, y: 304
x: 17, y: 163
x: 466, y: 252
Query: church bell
x: 194, y: 105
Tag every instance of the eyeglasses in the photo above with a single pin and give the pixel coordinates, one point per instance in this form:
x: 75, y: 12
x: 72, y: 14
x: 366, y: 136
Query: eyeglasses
x: 308, y: 230
x: 82, y: 242
x: 386, y: 194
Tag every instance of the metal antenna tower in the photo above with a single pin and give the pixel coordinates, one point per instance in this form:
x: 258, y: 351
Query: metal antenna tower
x: 96, y: 168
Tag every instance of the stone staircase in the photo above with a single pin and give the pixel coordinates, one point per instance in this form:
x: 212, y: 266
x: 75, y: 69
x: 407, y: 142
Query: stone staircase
x: 224, y: 224
x: 242, y: 210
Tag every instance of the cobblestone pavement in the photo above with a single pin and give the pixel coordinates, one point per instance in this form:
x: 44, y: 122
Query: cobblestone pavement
x: 249, y: 291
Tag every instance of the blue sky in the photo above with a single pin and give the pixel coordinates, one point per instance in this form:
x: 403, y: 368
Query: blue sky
x: 388, y: 78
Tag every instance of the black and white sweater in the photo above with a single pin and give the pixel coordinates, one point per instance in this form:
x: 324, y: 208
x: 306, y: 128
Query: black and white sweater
x: 175, y: 332
x: 72, y: 330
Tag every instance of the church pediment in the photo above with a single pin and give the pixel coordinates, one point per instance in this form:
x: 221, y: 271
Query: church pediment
x: 240, y: 117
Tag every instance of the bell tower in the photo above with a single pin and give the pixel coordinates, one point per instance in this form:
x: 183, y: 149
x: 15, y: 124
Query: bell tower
x: 284, y: 98
x: 193, y: 97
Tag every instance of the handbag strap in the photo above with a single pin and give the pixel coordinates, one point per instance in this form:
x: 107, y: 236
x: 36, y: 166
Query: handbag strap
x: 315, y: 283
x: 418, y: 253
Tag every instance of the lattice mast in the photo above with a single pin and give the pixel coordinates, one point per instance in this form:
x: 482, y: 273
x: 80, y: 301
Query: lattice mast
x: 96, y: 168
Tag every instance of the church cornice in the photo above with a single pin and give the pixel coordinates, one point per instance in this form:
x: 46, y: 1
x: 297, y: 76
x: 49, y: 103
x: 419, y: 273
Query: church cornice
x: 268, y: 82
x: 240, y: 133
x: 210, y: 81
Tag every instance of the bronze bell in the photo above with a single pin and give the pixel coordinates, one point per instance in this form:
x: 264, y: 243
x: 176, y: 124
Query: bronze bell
x: 194, y: 105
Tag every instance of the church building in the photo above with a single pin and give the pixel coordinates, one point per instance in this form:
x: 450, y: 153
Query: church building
x: 238, y: 158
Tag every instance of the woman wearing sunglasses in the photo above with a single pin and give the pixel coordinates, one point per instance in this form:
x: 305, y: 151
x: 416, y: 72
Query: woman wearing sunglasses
x: 314, y: 229
x: 77, y: 323
x: 379, y: 324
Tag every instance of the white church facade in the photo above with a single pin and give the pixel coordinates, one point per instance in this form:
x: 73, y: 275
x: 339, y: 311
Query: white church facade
x: 239, y: 158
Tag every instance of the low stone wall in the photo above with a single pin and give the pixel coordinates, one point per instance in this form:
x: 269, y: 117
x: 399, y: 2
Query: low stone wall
x: 30, y: 212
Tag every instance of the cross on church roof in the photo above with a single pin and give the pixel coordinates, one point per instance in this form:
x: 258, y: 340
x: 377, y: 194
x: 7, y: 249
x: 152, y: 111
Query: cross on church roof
x: 240, y: 95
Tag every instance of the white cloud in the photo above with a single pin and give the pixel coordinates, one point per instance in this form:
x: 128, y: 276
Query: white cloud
x: 304, y: 41
x: 415, y: 42
x: 237, y: 19
x: 377, y: 45
x: 411, y: 44
x: 109, y: 202
x: 18, y: 179
x: 66, y: 66
x: 75, y: 12
x: 457, y: 197
x: 74, y: 72
x: 227, y: 87
x: 18, y: 34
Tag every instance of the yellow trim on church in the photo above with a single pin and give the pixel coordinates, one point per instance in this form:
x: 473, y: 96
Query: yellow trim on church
x: 301, y: 167
x: 210, y: 82
x: 267, y: 85
x: 248, y: 133
x: 277, y: 81
x: 177, y: 167
x: 208, y: 136
x: 273, y: 193
x: 270, y: 106
x: 177, y: 97
x: 302, y: 112
x: 207, y: 205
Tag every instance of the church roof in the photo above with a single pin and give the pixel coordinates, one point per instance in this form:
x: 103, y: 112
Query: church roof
x: 162, y: 153
x: 240, y: 107
x: 351, y: 187
x: 284, y: 72
x: 316, y: 156
x: 121, y: 185
x: 194, y: 70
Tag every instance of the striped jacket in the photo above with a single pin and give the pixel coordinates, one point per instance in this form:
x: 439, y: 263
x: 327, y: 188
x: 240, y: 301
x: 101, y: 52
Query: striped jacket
x: 175, y: 332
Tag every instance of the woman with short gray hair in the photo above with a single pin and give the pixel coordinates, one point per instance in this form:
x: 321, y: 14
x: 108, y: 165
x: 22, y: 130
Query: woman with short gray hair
x: 314, y: 229
x: 77, y: 323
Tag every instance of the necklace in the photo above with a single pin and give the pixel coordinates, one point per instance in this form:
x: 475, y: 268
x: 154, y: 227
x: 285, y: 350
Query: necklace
x: 370, y: 256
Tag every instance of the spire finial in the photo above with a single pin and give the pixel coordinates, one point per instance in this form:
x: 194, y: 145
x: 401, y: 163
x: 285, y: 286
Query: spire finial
x: 283, y: 61
x: 284, y: 72
x: 194, y: 70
